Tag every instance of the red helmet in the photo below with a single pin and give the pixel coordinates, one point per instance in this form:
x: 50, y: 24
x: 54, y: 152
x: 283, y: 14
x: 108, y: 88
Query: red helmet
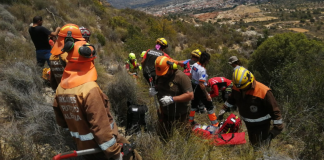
x: 85, y: 32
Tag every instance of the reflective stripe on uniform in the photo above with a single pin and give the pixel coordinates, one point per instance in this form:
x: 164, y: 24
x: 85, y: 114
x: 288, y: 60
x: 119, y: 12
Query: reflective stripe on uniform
x: 112, y: 125
x: 191, y: 118
x: 222, y: 79
x: 210, y: 111
x: 228, y: 105
x: 258, y: 119
x: 193, y: 109
x: 85, y: 137
x: 108, y: 144
x: 214, y: 122
x: 242, y: 77
x: 67, y: 129
x: 277, y: 121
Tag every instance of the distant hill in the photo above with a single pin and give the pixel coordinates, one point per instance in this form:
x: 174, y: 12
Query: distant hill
x: 153, y: 3
x: 141, y: 3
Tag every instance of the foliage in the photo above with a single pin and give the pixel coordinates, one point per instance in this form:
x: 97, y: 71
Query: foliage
x: 289, y: 63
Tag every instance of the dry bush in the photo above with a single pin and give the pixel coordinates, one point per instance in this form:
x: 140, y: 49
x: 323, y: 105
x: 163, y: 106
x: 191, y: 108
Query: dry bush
x: 120, y: 90
x: 10, y: 52
x: 41, y: 4
x: 32, y: 133
x: 22, y: 12
x: 6, y: 16
x: 19, y: 86
x: 6, y: 26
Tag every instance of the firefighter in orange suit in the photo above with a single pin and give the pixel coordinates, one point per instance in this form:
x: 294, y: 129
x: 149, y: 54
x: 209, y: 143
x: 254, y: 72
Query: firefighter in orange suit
x: 82, y: 108
x: 58, y: 58
x: 257, y: 107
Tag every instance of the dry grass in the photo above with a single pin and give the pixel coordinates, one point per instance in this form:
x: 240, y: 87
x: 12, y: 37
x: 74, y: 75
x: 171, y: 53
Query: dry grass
x: 301, y: 30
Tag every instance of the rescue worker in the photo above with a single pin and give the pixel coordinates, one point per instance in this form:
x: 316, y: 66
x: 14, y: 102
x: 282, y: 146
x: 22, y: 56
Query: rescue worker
x: 142, y: 54
x: 85, y: 33
x: 220, y: 85
x: 234, y: 62
x: 174, y: 92
x: 132, y: 66
x: 58, y: 58
x: 199, y: 82
x: 257, y: 107
x: 195, y: 55
x: 82, y: 108
x: 39, y: 36
x: 150, y: 57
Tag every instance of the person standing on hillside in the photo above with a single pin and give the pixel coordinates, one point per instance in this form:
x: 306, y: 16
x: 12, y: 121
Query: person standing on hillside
x: 234, y: 62
x: 257, y: 107
x: 174, y: 92
x: 220, y: 84
x: 150, y: 57
x: 58, y: 58
x: 132, y: 66
x: 199, y: 82
x: 39, y: 36
x: 195, y: 55
x: 81, y: 107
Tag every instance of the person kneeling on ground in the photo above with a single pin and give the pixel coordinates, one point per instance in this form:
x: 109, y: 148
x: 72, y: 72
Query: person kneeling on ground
x: 174, y: 91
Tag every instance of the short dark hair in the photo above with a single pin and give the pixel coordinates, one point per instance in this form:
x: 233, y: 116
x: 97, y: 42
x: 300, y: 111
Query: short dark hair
x: 37, y: 19
x: 204, y: 57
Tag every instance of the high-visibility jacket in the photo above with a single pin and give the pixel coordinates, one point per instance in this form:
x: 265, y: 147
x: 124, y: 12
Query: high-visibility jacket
x: 257, y: 106
x: 216, y: 84
x: 133, y: 67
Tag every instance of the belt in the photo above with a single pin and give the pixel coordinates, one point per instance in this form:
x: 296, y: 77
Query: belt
x: 257, y: 120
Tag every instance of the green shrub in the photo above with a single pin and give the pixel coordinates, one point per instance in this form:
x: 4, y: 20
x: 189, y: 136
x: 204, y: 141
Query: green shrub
x: 290, y: 64
x: 101, y: 38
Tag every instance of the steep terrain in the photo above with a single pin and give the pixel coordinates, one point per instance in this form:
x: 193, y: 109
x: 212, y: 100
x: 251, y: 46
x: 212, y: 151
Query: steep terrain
x: 289, y: 63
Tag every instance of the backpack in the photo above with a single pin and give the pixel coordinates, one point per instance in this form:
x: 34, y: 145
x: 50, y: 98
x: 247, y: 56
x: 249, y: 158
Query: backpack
x: 135, y: 118
x: 188, y: 69
x: 231, y: 124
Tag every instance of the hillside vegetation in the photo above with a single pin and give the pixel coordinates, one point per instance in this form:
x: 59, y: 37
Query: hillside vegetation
x: 289, y: 63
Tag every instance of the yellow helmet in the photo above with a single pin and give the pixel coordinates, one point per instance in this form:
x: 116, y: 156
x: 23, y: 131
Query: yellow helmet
x: 196, y: 53
x: 162, y: 42
x: 131, y: 56
x: 242, y: 77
